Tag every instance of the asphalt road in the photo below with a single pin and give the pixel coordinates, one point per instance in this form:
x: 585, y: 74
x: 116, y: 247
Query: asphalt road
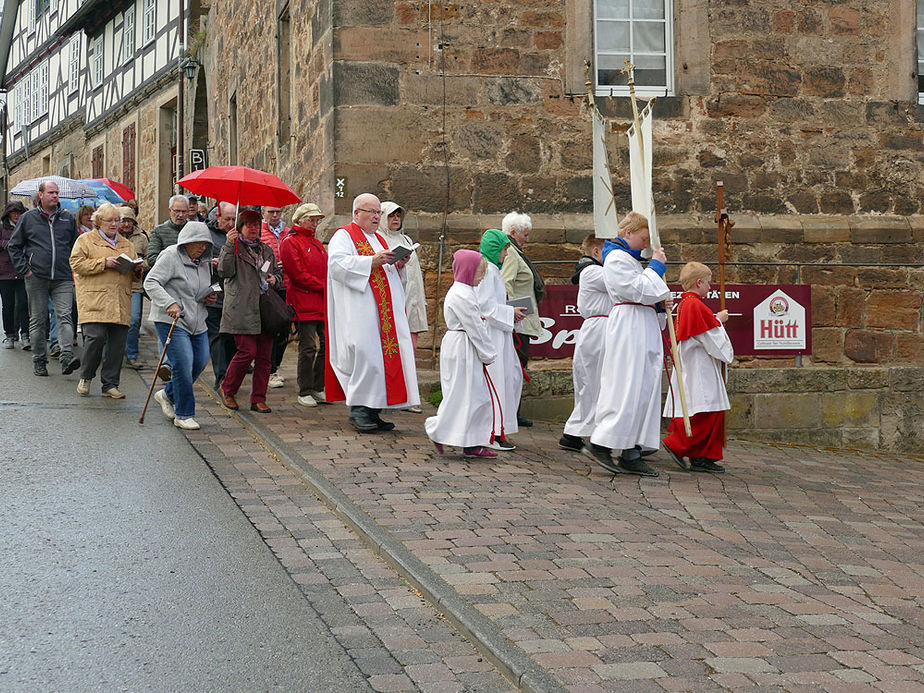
x: 125, y: 566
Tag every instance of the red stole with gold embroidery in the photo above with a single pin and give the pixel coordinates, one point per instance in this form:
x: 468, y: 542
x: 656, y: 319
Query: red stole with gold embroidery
x: 395, y: 386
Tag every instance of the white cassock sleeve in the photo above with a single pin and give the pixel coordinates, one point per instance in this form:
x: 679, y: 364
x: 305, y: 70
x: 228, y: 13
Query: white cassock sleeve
x: 478, y: 334
x: 717, y: 344
x: 492, y: 298
x: 344, y: 265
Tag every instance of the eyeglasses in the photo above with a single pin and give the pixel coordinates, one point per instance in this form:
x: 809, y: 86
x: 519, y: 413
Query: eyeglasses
x: 179, y: 211
x: 373, y: 212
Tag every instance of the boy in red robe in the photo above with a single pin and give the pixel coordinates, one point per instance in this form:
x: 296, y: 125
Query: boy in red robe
x: 704, y: 346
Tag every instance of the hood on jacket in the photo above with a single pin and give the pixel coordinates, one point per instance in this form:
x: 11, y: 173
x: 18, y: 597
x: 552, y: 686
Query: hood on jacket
x: 194, y: 231
x: 582, y: 264
x: 12, y: 206
x: 389, y: 207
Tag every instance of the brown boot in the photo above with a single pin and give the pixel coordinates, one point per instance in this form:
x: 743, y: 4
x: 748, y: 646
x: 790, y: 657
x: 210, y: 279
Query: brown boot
x: 228, y: 400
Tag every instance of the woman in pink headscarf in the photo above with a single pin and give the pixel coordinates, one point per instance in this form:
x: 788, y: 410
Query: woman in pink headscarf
x: 465, y: 416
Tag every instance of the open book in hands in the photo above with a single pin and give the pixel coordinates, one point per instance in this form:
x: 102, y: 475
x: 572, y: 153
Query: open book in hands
x: 126, y: 264
x: 401, y: 252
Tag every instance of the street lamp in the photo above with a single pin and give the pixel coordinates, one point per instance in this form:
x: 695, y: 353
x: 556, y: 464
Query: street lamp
x: 190, y: 67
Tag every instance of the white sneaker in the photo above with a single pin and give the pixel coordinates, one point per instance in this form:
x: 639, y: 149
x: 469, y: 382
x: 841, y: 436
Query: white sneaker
x: 415, y: 409
x: 114, y: 393
x: 165, y: 405
x: 307, y: 401
x: 83, y: 387
x: 189, y: 424
x: 276, y: 380
x: 319, y: 397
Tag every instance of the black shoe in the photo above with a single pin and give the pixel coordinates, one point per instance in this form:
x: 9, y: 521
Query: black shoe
x: 524, y: 423
x: 40, y: 369
x: 569, y: 442
x: 637, y: 466
x: 70, y: 365
x: 361, y: 419
x: 502, y: 445
x: 602, y: 456
x: 380, y: 424
x: 54, y: 352
x: 678, y: 460
x: 704, y: 464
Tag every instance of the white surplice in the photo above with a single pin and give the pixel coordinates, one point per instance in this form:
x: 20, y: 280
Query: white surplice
x: 354, y: 333
x: 464, y: 416
x: 506, y: 372
x: 593, y: 303
x: 701, y: 357
x: 629, y: 405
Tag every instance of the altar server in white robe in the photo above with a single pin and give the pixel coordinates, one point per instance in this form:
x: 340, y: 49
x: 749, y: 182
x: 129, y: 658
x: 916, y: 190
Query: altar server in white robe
x: 593, y: 304
x: 465, y: 416
x: 506, y: 373
x: 629, y: 406
x: 370, y: 356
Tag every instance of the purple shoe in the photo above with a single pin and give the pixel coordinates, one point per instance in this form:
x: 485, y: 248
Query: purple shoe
x: 438, y: 446
x: 479, y: 451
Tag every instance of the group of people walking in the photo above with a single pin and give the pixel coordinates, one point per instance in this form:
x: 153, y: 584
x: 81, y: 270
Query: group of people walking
x: 216, y: 288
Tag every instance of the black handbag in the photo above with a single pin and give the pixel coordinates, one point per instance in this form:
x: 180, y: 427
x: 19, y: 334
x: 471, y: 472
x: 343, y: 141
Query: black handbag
x: 275, y: 314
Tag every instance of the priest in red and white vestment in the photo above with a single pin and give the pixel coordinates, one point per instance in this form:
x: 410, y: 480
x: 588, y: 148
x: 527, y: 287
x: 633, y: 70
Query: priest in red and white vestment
x: 370, y: 357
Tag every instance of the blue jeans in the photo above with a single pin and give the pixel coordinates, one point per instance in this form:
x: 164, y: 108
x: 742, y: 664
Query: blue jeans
x: 189, y: 355
x: 53, y: 324
x: 134, y: 327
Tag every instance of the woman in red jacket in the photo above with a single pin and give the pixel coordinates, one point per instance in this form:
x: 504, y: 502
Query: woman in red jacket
x: 304, y: 263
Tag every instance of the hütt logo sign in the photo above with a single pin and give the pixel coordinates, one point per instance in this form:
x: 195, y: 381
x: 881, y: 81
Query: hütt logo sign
x: 779, y: 323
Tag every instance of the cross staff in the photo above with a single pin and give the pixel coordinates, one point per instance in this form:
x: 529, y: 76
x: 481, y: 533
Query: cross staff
x: 724, y: 224
x: 656, y: 245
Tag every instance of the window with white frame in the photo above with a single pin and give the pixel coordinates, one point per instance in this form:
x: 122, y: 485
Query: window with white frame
x: 40, y: 85
x: 73, y: 64
x: 97, y: 64
x: 921, y: 51
x: 128, y: 34
x: 640, y: 31
x: 15, y: 108
x: 149, y: 21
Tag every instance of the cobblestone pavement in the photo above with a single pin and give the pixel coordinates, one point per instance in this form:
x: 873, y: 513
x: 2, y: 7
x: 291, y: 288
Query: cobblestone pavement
x: 799, y: 569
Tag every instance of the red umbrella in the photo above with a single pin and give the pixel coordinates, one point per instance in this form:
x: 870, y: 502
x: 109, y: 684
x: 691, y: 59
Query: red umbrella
x: 239, y: 184
x: 122, y: 191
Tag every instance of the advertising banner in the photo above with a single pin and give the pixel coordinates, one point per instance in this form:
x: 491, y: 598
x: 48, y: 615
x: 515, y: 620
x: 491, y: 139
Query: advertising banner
x: 764, y: 320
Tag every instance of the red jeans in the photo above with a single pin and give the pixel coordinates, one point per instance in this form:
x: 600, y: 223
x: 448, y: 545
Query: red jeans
x: 251, y: 348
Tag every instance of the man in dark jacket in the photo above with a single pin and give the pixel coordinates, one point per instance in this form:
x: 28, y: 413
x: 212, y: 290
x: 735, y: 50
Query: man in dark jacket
x: 221, y: 346
x: 40, y: 250
x: 164, y: 235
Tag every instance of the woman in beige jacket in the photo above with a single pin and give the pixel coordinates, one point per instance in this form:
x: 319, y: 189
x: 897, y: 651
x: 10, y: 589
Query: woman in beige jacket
x: 104, y: 299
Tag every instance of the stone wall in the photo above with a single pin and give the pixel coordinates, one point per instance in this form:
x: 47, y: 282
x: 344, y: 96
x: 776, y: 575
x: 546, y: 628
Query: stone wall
x: 240, y: 59
x: 799, y: 109
x: 872, y: 407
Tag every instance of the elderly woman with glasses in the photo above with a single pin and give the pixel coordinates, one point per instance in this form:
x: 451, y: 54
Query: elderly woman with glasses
x: 103, y: 287
x: 249, y: 269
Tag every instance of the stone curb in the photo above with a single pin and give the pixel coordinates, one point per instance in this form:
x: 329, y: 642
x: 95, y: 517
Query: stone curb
x: 512, y: 661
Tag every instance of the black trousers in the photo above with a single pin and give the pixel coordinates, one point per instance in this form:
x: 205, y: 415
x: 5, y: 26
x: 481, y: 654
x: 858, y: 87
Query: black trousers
x: 280, y: 342
x: 221, y: 346
x: 15, y: 308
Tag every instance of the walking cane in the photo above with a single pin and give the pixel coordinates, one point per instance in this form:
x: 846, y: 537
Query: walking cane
x: 159, y: 363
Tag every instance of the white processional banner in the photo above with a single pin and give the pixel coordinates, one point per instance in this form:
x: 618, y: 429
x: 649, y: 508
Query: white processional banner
x: 606, y: 220
x: 640, y: 174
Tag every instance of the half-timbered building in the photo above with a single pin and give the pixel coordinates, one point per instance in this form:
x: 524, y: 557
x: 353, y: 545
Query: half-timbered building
x: 92, y: 88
